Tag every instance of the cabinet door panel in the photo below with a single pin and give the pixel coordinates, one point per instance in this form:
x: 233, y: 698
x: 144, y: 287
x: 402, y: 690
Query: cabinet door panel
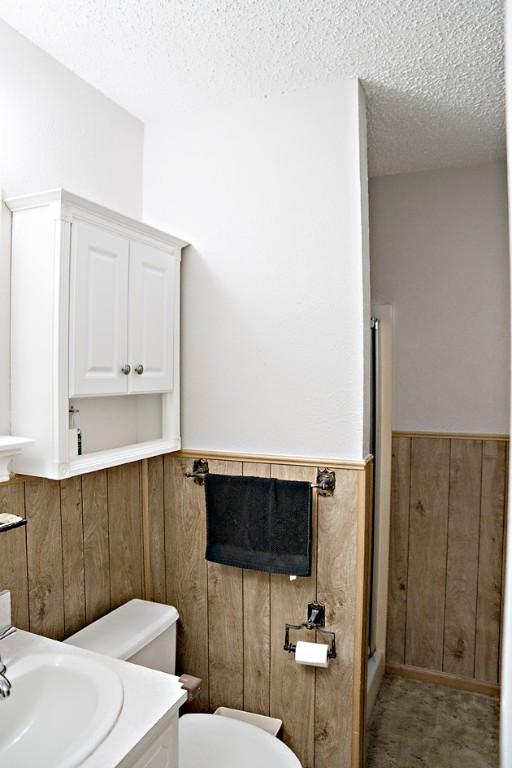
x: 99, y: 311
x: 153, y: 287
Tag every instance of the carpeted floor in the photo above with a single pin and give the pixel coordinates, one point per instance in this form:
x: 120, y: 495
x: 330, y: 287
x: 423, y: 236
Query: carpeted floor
x: 415, y: 725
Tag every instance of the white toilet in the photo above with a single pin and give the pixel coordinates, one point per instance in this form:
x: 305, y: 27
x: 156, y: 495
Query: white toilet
x: 145, y: 633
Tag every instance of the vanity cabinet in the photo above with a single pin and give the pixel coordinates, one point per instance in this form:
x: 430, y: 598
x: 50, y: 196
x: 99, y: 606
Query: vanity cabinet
x: 160, y: 751
x: 95, y: 312
x: 159, y: 748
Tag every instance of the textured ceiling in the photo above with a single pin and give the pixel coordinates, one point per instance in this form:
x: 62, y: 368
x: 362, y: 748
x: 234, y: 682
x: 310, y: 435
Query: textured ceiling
x: 432, y: 69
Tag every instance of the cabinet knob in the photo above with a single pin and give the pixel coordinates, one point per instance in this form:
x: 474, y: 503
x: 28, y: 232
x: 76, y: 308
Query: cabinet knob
x: 139, y: 369
x: 126, y: 369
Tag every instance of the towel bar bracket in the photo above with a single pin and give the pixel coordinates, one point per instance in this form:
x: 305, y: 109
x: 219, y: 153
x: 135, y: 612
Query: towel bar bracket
x: 325, y: 478
x: 199, y: 470
x: 325, y: 482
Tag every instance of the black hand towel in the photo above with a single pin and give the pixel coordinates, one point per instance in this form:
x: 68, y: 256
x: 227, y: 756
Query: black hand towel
x: 259, y: 523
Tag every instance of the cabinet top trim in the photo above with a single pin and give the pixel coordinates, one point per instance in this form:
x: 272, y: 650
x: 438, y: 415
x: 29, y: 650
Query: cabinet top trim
x: 65, y: 198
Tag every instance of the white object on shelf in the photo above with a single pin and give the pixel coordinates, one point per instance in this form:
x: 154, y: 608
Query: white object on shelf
x: 5, y: 608
x: 95, y: 314
x: 73, y: 442
x: 9, y: 448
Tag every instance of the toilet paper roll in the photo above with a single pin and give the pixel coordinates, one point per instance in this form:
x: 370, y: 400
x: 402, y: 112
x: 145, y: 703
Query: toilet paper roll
x: 312, y: 654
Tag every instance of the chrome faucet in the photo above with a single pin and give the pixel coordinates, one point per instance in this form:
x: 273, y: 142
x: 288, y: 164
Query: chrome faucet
x: 5, y: 683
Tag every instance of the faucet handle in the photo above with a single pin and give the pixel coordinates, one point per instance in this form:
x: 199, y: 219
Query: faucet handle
x: 5, y: 684
x: 5, y: 687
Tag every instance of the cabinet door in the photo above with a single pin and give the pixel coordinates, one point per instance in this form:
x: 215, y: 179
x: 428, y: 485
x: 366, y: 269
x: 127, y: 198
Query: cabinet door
x: 98, y: 336
x: 153, y: 301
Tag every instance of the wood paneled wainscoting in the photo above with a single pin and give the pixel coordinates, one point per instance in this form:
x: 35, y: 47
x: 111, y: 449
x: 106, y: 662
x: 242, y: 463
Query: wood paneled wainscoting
x: 449, y: 497
x: 232, y: 620
x: 81, y: 552
x: 138, y: 530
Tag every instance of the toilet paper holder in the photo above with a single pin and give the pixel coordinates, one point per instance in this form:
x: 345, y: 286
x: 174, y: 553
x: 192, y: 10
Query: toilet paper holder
x: 316, y: 622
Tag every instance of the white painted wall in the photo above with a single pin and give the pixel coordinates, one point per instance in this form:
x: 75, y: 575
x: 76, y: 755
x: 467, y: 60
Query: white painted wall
x: 439, y: 255
x: 275, y: 295
x: 57, y: 131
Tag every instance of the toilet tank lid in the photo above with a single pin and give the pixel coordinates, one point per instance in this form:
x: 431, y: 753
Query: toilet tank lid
x: 126, y: 630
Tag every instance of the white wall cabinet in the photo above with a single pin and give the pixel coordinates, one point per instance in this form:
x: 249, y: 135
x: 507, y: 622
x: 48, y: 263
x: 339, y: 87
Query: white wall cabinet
x: 94, y: 325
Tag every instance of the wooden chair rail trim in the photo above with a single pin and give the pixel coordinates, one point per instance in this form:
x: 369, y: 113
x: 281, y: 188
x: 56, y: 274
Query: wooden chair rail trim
x: 451, y: 435
x: 297, y: 461
x: 443, y: 678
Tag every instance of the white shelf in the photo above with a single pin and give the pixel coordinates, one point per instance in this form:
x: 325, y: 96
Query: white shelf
x: 92, y: 462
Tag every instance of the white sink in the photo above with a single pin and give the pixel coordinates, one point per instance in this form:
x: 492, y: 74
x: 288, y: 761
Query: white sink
x: 62, y: 706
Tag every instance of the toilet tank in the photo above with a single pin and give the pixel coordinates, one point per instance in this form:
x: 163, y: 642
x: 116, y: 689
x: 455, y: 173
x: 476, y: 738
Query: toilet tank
x: 138, y: 631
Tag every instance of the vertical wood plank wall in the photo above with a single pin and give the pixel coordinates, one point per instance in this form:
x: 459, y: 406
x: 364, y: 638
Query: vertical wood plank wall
x: 138, y: 530
x: 80, y: 553
x: 232, y: 620
x: 446, y: 554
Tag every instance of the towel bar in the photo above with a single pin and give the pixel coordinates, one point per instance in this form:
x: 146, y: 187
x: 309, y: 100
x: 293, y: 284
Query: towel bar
x: 325, y: 478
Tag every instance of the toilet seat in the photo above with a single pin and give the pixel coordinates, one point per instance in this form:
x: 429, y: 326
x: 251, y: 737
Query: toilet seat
x: 213, y: 741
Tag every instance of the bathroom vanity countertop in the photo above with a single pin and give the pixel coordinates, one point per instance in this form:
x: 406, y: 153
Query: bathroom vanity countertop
x: 149, y: 696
